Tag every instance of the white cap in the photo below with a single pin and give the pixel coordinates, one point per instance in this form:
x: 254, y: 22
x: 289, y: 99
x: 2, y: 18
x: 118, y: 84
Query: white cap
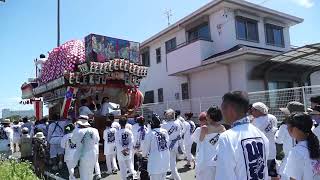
x: 39, y: 135
x: 261, y: 107
x: 83, y: 120
x: 25, y: 129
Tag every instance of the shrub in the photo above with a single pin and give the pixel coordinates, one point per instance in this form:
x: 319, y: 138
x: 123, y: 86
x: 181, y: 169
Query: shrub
x: 11, y: 169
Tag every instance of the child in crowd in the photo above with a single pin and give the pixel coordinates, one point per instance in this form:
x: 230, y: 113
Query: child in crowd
x: 70, y: 148
x: 207, y: 142
x: 110, y: 148
x: 25, y: 145
x: 304, y: 158
x: 39, y: 153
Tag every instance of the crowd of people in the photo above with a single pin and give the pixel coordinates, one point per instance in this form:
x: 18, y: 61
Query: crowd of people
x: 235, y: 141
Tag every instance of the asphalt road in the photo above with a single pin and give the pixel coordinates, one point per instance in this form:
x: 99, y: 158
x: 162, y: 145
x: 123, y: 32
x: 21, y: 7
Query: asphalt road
x: 185, y: 174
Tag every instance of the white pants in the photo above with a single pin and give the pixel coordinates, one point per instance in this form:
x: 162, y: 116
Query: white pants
x: 189, y: 155
x: 115, y: 162
x: 173, y: 165
x: 208, y: 172
x: 15, y: 146
x: 111, y: 165
x: 124, y: 166
x: 87, y: 164
x: 70, y: 170
x: 97, y: 167
x: 158, y: 176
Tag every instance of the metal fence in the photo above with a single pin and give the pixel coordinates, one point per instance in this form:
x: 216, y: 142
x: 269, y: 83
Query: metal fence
x: 274, y: 99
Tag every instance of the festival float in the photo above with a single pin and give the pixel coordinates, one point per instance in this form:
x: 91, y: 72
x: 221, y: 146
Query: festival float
x: 92, y: 69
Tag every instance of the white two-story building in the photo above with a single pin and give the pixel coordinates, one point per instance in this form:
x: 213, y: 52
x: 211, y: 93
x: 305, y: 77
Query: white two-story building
x: 218, y: 48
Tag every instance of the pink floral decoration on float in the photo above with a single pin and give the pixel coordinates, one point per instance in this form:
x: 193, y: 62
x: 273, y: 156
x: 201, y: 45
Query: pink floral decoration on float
x: 62, y: 59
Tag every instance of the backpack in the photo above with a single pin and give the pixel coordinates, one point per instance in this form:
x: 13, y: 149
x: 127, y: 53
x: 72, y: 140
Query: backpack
x: 40, y: 148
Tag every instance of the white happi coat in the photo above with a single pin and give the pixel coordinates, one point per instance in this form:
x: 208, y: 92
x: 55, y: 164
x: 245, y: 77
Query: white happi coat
x: 242, y: 153
x: 16, y: 133
x: 299, y: 164
x: 189, y: 129
x: 56, y: 132
x: 139, y: 134
x: 156, y: 148
x: 6, y: 138
x: 109, y: 141
x: 124, y: 139
x: 283, y: 137
x: 70, y: 148
x: 86, y: 139
x: 175, y: 132
x: 266, y: 125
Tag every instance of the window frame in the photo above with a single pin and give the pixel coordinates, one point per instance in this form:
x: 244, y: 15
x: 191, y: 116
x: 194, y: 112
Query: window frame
x: 158, y: 56
x: 170, y: 41
x: 162, y: 98
x: 145, y: 95
x: 266, y: 25
x: 182, y: 91
x: 196, y: 29
x: 148, y: 58
x: 246, y: 20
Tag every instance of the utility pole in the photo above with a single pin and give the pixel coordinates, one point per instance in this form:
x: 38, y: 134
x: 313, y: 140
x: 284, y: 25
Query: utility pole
x: 58, y: 23
x: 168, y: 13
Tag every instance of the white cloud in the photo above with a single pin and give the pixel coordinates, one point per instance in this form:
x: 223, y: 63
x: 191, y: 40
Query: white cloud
x: 304, y: 3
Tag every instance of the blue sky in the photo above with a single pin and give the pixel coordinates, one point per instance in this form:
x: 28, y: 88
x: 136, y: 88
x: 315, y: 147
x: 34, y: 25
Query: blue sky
x: 28, y: 28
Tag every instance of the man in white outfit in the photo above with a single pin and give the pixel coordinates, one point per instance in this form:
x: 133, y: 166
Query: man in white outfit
x: 156, y: 148
x: 55, y: 134
x: 189, y: 129
x: 265, y: 122
x: 175, y: 146
x: 85, y: 138
x: 124, y: 145
x: 243, y: 149
x: 6, y: 137
x: 16, y: 128
x: 139, y: 131
x: 109, y: 108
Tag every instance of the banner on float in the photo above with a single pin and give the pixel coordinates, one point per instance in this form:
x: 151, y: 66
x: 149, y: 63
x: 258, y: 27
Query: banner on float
x: 38, y: 109
x: 71, y: 91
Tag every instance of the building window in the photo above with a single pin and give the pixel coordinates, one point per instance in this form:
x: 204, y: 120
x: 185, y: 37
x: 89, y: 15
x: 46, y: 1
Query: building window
x: 148, y: 97
x: 247, y: 29
x: 274, y: 35
x: 185, y: 91
x: 145, y: 58
x: 171, y: 45
x: 158, y: 55
x: 199, y: 32
x: 160, y: 95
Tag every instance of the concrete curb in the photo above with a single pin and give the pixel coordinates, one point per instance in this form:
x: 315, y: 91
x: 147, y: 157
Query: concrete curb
x: 48, y: 174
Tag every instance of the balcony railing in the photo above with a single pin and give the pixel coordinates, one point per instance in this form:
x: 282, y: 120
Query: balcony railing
x: 188, y: 42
